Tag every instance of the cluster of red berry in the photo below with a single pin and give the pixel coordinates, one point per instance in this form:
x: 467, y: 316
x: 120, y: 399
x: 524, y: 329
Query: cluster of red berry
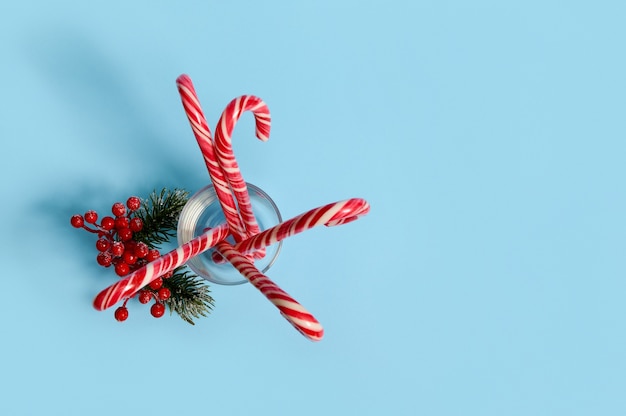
x: 116, y: 247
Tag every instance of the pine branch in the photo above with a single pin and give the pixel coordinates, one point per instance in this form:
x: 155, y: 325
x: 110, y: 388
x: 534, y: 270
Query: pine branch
x: 159, y: 213
x: 190, y: 295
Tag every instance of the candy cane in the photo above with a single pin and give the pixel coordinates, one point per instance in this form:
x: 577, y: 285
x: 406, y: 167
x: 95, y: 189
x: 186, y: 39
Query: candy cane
x: 295, y: 313
x: 201, y: 131
x: 336, y: 213
x: 131, y: 284
x: 226, y: 157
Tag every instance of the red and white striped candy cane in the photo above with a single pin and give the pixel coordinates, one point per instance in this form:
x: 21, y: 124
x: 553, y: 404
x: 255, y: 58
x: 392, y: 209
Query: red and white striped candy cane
x: 202, y: 132
x: 336, y: 213
x: 131, y: 284
x: 226, y: 157
x: 295, y: 313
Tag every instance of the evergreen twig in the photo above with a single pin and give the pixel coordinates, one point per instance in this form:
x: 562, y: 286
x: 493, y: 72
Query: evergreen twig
x: 190, y: 295
x: 159, y: 213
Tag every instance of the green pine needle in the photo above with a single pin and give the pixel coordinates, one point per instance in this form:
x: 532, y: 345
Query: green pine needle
x: 190, y: 295
x: 159, y: 213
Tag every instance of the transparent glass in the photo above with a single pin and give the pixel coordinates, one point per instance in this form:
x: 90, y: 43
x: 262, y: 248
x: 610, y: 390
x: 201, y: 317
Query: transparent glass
x: 203, y: 210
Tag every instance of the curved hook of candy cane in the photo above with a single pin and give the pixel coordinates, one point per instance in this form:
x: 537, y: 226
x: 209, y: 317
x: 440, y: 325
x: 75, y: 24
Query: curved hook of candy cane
x: 296, y: 314
x: 201, y: 131
x: 131, y: 284
x: 226, y: 157
x: 336, y: 213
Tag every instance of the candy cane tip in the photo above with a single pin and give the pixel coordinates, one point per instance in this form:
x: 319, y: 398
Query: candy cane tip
x: 315, y: 338
x: 341, y: 221
x: 311, y: 330
x: 98, y: 302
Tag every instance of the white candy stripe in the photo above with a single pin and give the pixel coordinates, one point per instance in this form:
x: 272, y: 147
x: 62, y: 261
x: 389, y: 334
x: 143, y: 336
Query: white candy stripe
x: 132, y: 283
x: 295, y: 313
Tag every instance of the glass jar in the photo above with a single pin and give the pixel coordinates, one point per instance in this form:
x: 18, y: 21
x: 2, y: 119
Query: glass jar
x: 203, y: 211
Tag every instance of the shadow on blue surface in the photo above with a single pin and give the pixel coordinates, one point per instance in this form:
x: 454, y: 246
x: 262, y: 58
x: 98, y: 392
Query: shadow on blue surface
x: 106, y: 102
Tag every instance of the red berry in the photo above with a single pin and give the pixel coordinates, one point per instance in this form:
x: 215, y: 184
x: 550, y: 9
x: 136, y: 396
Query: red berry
x: 157, y: 310
x: 164, y: 293
x: 156, y: 284
x: 121, y: 313
x: 133, y: 203
x: 153, y: 255
x: 125, y: 234
x: 77, y: 221
x: 91, y: 217
x: 118, y: 209
x: 107, y: 223
x: 168, y: 274
x: 103, y: 244
x: 129, y: 257
x: 144, y: 296
x: 121, y: 222
x: 141, y: 250
x: 136, y: 224
x: 117, y: 248
x: 122, y: 269
x: 104, y: 259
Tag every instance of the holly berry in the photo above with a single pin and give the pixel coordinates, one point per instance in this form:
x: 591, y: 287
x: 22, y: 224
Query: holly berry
x: 136, y: 224
x: 129, y: 257
x: 121, y: 313
x: 117, y: 248
x: 141, y: 250
x: 122, y: 269
x: 121, y: 222
x: 103, y: 244
x: 107, y: 223
x: 153, y: 255
x: 125, y: 234
x: 118, y: 209
x: 133, y: 203
x: 157, y: 310
x: 156, y: 284
x: 164, y: 293
x: 104, y: 259
x: 77, y: 221
x: 91, y: 217
x: 144, y: 296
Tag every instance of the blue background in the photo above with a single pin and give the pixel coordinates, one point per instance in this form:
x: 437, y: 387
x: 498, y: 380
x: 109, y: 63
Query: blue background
x: 488, y: 137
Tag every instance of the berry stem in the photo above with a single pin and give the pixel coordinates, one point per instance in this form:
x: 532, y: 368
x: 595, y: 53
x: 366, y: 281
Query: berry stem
x: 91, y: 230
